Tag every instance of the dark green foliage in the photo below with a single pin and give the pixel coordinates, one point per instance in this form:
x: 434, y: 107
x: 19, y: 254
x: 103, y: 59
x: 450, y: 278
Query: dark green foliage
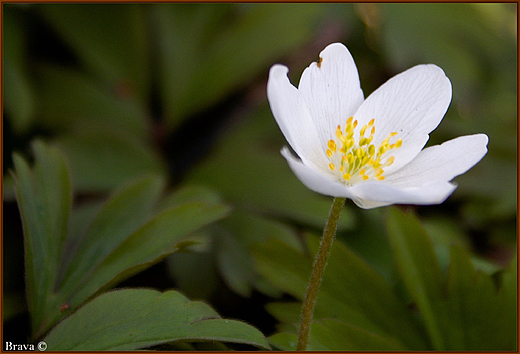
x: 138, y: 140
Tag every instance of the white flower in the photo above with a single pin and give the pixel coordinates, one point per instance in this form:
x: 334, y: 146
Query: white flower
x: 369, y: 150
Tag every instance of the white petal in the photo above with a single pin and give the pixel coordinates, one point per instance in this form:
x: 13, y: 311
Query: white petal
x: 412, y: 104
x: 331, y: 89
x: 314, y: 179
x: 375, y: 194
x: 293, y: 117
x: 441, y: 162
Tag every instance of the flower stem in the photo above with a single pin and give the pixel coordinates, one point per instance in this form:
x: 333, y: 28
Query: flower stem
x: 317, y: 272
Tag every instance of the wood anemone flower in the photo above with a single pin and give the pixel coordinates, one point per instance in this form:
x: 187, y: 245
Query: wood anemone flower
x: 370, y: 151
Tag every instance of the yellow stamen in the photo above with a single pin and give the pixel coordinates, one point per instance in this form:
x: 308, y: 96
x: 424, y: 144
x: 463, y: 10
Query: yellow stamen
x: 332, y: 145
x: 359, y: 159
x: 389, y: 161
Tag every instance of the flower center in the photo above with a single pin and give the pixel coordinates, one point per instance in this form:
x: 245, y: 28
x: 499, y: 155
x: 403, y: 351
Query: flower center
x: 355, y: 161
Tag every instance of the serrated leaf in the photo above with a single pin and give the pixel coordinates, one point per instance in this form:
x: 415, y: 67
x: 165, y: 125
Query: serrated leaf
x: 123, y: 238
x: 125, y: 211
x: 147, y: 245
x: 140, y: 318
x: 44, y: 199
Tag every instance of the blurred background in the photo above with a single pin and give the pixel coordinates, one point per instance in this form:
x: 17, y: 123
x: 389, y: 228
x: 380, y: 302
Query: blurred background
x: 178, y: 90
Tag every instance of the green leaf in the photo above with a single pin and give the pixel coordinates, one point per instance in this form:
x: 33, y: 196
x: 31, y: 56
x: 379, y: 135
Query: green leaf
x: 242, y: 231
x: 224, y: 250
x: 484, y: 312
x: 125, y: 211
x: 44, y: 199
x: 332, y: 334
x: 444, y: 232
x: 140, y: 318
x: 101, y: 159
x: 419, y: 270
x: 110, y: 39
x: 408, y: 26
x: 189, y: 194
x: 215, y: 58
x: 146, y: 246
x: 19, y: 100
x: 69, y: 99
x: 351, y: 292
x: 120, y: 238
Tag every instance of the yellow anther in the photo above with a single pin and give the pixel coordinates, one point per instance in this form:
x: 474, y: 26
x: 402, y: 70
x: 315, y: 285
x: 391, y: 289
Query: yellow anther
x: 359, y: 159
x: 338, y: 132
x: 332, y: 145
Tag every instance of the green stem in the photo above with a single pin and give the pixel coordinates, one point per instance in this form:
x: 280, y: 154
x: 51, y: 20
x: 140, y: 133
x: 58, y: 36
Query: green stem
x: 317, y: 272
